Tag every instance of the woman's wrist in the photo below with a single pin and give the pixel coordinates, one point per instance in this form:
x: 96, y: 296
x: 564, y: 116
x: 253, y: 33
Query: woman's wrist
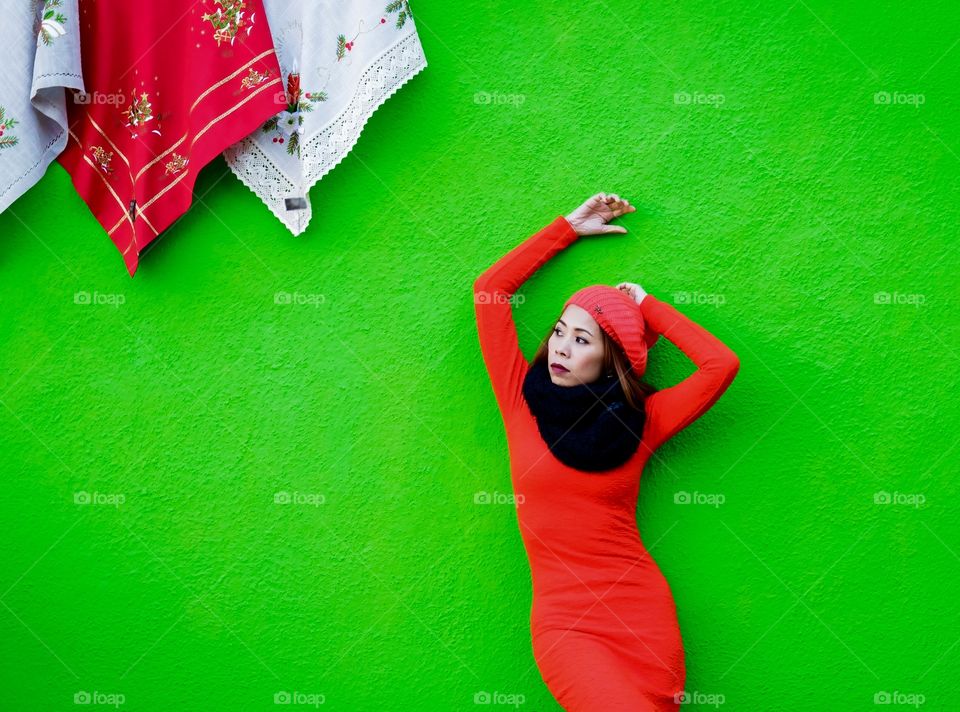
x: 572, y: 225
x: 633, y: 290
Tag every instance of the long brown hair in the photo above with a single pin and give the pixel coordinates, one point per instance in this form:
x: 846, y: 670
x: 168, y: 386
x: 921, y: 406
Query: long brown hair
x: 614, y: 361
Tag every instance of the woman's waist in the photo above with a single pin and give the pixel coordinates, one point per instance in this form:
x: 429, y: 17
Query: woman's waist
x: 560, y: 565
x: 561, y: 576
x: 638, y: 598
x: 572, y: 532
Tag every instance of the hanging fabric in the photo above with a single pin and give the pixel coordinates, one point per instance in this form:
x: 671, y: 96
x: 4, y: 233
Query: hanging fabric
x: 340, y: 62
x: 170, y: 86
x: 41, y: 57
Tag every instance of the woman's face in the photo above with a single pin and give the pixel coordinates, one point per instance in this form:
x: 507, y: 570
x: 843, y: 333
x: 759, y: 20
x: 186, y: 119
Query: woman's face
x: 577, y: 346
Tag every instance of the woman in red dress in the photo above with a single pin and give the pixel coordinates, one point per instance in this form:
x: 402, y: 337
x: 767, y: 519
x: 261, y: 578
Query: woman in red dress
x: 580, y: 427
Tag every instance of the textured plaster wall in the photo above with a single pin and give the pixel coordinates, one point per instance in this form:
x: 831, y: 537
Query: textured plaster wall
x: 781, y: 188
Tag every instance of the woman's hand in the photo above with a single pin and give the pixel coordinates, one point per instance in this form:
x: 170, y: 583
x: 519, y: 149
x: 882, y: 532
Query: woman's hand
x: 592, y: 217
x: 635, y: 291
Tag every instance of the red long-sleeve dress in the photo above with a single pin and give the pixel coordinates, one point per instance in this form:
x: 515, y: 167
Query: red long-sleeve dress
x: 603, y: 621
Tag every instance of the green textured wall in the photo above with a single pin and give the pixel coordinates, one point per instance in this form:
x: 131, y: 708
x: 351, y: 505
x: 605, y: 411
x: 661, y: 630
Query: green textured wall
x: 783, y: 195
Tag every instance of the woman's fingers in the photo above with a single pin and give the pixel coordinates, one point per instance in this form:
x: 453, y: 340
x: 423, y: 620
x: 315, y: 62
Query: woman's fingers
x: 613, y: 202
x: 609, y: 198
x: 631, y: 290
x: 613, y: 229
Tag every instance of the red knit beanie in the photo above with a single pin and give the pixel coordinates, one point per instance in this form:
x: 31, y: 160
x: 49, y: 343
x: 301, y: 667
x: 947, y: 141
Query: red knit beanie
x: 620, y: 317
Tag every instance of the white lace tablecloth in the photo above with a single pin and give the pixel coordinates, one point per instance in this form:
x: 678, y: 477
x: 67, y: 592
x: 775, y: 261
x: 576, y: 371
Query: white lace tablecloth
x: 340, y: 61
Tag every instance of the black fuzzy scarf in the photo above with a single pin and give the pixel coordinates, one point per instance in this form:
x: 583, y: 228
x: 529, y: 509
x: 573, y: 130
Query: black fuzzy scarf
x: 589, y: 426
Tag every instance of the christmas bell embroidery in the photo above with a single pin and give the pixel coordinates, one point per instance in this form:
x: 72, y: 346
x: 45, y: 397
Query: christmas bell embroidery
x: 53, y: 23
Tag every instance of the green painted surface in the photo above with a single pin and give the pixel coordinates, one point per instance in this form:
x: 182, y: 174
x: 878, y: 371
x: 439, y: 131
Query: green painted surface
x: 782, y: 188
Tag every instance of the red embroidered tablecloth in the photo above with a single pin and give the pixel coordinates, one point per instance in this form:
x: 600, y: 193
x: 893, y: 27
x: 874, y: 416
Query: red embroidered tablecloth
x: 169, y: 86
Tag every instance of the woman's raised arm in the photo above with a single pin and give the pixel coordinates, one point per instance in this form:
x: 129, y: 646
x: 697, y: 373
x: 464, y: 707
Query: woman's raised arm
x: 672, y: 409
x: 493, y: 295
x: 493, y: 290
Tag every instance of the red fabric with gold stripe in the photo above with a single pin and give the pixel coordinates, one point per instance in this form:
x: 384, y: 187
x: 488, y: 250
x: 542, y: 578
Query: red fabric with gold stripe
x: 170, y: 85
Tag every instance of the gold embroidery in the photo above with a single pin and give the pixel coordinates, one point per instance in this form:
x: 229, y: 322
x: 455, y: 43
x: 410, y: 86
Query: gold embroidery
x: 228, y: 20
x: 180, y: 173
x: 109, y: 187
x: 254, y: 78
x: 139, y: 112
x: 200, y: 98
x: 234, y: 108
x: 176, y: 164
x: 107, y: 139
x: 197, y: 137
x: 103, y: 158
x: 159, y: 158
x: 227, y: 79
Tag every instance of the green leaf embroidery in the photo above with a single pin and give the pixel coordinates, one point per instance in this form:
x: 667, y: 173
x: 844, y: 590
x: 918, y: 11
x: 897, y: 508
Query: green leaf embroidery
x: 405, y: 12
x: 7, y: 141
x: 52, y: 22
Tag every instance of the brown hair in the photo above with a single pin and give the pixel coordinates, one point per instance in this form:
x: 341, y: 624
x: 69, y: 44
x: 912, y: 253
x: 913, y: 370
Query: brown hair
x: 614, y: 361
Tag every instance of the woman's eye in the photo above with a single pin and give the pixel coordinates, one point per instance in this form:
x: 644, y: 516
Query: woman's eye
x: 580, y: 339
